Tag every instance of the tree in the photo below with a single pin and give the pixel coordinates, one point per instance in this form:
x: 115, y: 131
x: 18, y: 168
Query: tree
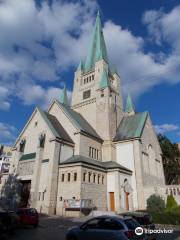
x: 171, y: 202
x: 171, y: 160
x: 155, y: 204
x: 10, y: 193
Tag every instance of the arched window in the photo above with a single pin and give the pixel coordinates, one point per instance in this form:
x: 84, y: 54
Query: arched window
x: 42, y: 138
x: 22, y: 145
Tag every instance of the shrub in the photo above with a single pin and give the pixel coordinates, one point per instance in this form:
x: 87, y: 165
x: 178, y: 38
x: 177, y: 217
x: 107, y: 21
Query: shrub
x: 155, y: 204
x: 166, y: 217
x: 171, y: 202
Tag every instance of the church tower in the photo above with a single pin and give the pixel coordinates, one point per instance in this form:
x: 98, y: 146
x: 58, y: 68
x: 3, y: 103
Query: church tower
x: 97, y: 89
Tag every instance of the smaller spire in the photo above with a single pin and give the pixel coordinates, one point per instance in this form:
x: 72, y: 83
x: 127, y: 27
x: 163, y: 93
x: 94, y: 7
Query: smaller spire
x: 114, y: 70
x: 80, y: 67
x: 63, y: 96
x: 129, y: 105
x: 104, y: 82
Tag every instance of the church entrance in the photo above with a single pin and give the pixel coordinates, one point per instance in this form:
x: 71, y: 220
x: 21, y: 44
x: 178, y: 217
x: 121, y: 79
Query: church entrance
x: 112, y: 201
x: 25, y: 193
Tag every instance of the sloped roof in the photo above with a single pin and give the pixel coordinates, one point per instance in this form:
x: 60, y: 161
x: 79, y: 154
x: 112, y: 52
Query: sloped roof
x: 131, y: 127
x: 79, y: 121
x: 97, y: 50
x: 104, y: 165
x: 58, y: 129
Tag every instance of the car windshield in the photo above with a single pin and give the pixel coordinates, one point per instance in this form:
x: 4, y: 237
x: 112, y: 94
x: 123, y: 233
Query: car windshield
x: 131, y: 224
x: 31, y: 211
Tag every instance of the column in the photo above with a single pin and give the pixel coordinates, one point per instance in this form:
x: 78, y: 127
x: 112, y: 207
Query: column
x: 36, y: 177
x: 52, y: 187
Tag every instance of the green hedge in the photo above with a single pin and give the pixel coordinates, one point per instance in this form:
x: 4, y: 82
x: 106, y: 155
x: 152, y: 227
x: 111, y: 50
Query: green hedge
x: 166, y: 218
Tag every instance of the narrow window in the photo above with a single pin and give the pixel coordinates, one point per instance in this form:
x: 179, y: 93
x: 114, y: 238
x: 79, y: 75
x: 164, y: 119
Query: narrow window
x: 92, y: 77
x: 94, y: 178
x: 89, y: 177
x: 75, y: 176
x: 98, y: 179
x: 43, y: 195
x: 84, y: 177
x: 69, y: 177
x: 92, y: 153
x: 39, y: 196
x: 89, y: 151
x: 62, y: 177
x: 102, y: 179
x: 95, y: 153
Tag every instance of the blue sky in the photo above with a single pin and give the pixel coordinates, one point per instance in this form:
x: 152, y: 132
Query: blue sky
x: 42, y: 42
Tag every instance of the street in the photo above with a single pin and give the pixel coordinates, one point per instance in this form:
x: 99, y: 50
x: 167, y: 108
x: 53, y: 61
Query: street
x: 54, y: 228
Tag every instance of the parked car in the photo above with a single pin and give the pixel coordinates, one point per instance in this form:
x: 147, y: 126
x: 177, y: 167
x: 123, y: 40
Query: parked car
x: 144, y: 219
x: 105, y: 228
x: 8, y: 221
x: 28, y: 216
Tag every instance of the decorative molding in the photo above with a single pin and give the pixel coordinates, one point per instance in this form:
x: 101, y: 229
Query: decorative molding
x: 84, y: 103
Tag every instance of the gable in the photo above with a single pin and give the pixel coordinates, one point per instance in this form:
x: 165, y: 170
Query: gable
x: 77, y: 120
x: 44, y: 124
x: 131, y: 127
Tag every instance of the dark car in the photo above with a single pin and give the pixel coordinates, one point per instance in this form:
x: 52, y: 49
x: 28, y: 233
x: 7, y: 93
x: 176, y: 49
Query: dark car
x: 105, y: 228
x: 8, y: 221
x: 28, y: 216
x: 144, y: 219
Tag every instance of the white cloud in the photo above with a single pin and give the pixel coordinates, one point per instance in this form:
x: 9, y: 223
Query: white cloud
x: 38, y: 43
x: 7, y: 133
x: 166, y: 128
x: 4, y: 105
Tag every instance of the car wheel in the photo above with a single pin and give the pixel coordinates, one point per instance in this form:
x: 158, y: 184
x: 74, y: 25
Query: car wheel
x: 35, y: 225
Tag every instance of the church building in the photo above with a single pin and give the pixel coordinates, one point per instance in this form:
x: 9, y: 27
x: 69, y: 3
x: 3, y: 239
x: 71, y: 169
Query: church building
x: 94, y: 153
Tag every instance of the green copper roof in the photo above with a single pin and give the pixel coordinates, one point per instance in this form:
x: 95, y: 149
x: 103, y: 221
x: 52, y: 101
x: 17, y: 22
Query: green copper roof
x: 29, y: 156
x: 63, y: 96
x: 129, y: 105
x: 80, y: 67
x: 97, y: 49
x: 79, y: 121
x: 131, y: 127
x: 104, y: 82
x: 55, y: 126
x: 105, y: 165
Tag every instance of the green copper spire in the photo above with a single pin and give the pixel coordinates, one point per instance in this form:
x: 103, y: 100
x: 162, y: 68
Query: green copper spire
x: 97, y: 50
x: 129, y: 105
x: 80, y: 67
x: 63, y: 96
x: 104, y: 80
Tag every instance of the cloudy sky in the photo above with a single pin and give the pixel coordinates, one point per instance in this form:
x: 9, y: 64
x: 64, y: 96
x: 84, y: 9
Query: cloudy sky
x: 42, y: 42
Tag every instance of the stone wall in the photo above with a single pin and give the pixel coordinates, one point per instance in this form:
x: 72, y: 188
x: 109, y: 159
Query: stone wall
x: 81, y: 188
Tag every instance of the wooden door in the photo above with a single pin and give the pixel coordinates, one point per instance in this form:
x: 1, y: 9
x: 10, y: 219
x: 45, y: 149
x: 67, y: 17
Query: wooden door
x: 112, y: 202
x: 127, y: 201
